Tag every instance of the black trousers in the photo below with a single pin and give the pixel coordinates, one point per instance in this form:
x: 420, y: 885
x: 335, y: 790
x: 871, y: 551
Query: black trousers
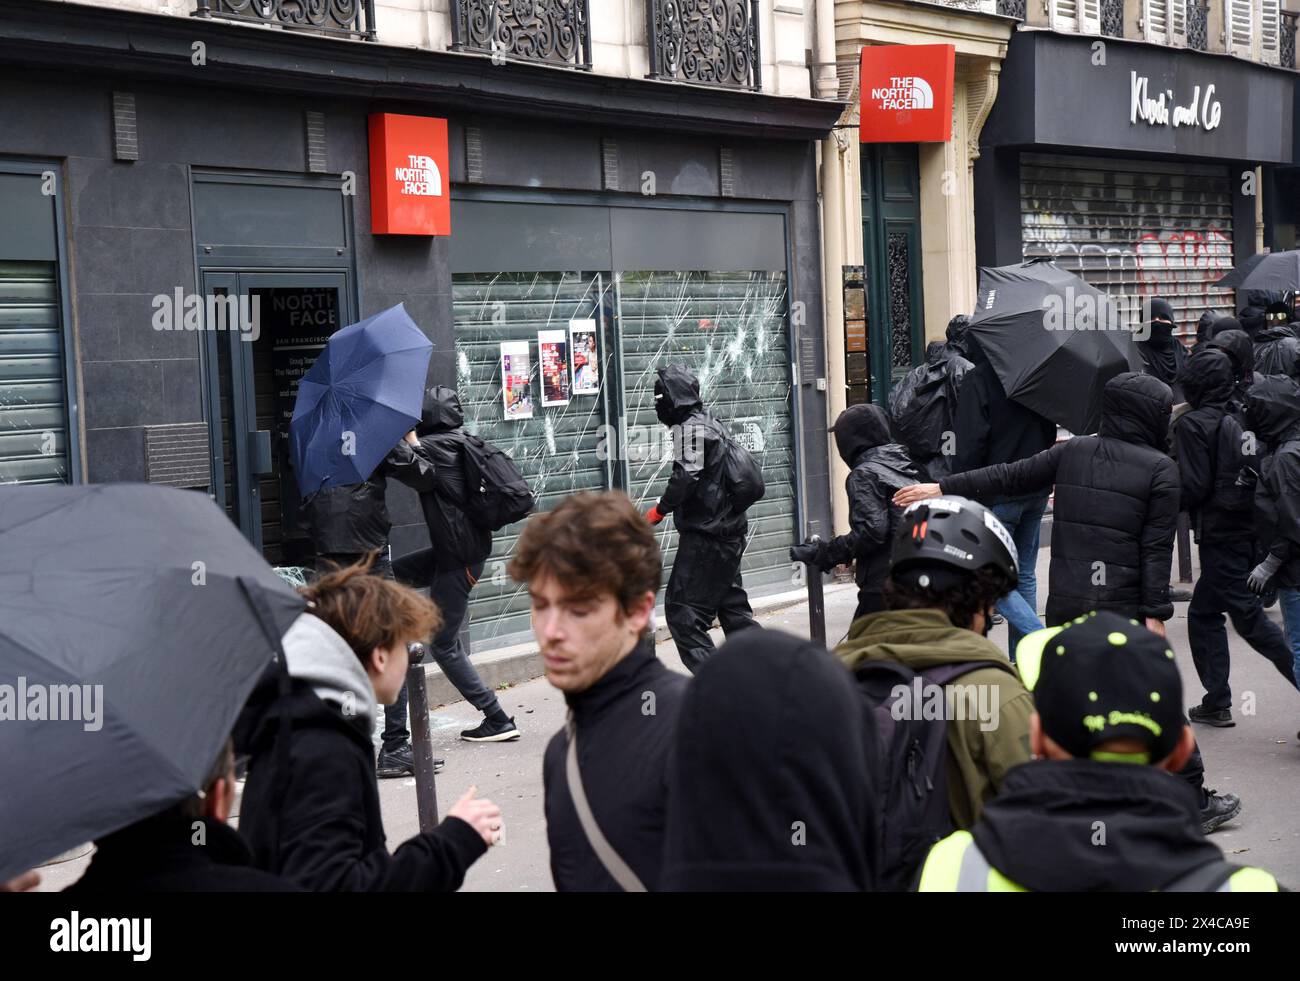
x: 705, y: 583
x: 1221, y: 589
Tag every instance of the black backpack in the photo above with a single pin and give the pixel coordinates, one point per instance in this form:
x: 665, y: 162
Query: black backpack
x: 914, y: 767
x: 496, y: 493
x: 742, y: 475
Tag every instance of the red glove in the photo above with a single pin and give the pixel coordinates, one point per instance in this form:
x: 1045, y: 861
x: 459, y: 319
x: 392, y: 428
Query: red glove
x: 653, y: 515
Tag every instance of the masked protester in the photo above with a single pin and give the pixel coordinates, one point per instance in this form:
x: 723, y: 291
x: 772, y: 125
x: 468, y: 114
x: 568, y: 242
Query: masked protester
x: 739, y: 783
x: 1277, y: 349
x: 1162, y: 353
x: 1117, y: 502
x: 923, y: 406
x: 710, y: 520
x: 1218, y: 488
x: 1228, y: 336
x: 880, y: 467
x: 1273, y: 411
x: 1107, y: 734
x: 1204, y: 328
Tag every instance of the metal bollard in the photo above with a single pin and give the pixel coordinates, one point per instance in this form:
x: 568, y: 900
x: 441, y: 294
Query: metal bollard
x: 816, y: 601
x: 426, y: 794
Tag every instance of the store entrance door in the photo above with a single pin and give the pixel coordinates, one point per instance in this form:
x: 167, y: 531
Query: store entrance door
x: 280, y: 323
x: 891, y: 238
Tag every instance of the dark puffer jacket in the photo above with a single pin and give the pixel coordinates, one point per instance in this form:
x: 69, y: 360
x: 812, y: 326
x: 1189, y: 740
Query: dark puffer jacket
x: 353, y: 518
x: 1277, y: 352
x: 1236, y: 344
x: 1273, y: 410
x: 456, y: 540
x: 696, y: 494
x: 1209, y: 449
x: 1116, y: 505
x: 880, y: 468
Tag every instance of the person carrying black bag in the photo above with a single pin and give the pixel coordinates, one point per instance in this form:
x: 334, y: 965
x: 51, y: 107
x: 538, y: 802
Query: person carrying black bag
x: 714, y: 481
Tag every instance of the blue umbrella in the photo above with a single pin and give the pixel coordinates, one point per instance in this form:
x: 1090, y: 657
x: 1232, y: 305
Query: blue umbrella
x: 357, y: 401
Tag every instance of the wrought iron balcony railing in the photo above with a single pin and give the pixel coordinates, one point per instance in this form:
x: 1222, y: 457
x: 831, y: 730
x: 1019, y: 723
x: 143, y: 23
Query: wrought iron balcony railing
x: 1287, y: 28
x: 1198, y: 19
x: 1112, y: 18
x: 711, y: 42
x: 557, y: 32
x: 1012, y: 8
x: 344, y: 18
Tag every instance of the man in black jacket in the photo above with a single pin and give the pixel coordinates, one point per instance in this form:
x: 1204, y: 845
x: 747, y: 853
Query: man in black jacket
x: 1228, y: 336
x: 1162, y: 353
x: 1117, y: 499
x: 310, y: 810
x: 1098, y: 809
x: 1215, y: 474
x: 592, y: 568
x: 923, y: 406
x: 705, y: 581
x: 992, y: 429
x: 879, y: 468
x: 1273, y: 411
x: 1277, y: 349
x: 452, y: 564
x: 188, y: 847
x: 347, y: 522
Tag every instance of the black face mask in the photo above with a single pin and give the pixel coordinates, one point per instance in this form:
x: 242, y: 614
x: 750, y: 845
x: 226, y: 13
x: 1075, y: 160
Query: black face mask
x: 1161, y: 333
x: 662, y: 407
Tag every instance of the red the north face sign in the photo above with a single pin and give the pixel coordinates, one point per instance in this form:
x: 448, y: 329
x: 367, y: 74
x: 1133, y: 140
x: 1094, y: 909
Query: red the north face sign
x: 906, y: 92
x: 410, y: 183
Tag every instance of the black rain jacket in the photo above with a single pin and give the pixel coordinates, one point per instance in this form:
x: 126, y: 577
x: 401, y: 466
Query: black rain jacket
x: 696, y: 494
x: 1277, y: 352
x: 1274, y: 411
x: 353, y: 518
x: 1116, y: 505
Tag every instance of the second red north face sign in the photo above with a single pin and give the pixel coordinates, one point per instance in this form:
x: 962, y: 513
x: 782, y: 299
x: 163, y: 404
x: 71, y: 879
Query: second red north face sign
x: 410, y: 186
x: 906, y: 93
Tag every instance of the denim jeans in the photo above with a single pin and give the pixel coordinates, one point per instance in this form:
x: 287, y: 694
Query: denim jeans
x: 1289, y: 600
x: 1022, y: 517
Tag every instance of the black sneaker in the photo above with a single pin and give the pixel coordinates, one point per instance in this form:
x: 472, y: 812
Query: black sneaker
x: 401, y: 763
x: 1222, y: 719
x: 492, y: 732
x: 1219, y: 810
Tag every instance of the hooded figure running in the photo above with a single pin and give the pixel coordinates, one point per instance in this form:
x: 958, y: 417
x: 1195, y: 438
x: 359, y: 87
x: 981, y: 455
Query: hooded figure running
x: 1163, y: 354
x: 879, y: 469
x: 711, y: 523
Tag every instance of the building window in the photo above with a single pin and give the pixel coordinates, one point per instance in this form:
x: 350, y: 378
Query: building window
x: 36, y: 439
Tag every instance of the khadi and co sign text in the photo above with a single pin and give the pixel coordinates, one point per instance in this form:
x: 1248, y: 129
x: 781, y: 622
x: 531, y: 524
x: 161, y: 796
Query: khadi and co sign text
x: 907, y: 93
x: 410, y: 185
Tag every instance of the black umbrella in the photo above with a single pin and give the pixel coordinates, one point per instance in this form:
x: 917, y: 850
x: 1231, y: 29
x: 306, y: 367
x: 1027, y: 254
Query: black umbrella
x: 1233, y: 277
x: 134, y: 621
x: 1276, y: 272
x: 1053, y: 340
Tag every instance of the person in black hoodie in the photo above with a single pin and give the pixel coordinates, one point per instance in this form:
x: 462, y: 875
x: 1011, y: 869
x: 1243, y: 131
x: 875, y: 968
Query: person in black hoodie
x: 1277, y: 349
x: 310, y: 809
x: 705, y: 581
x: 751, y: 809
x: 1273, y: 411
x: 992, y: 429
x: 605, y: 774
x: 1162, y: 352
x: 1213, y: 469
x: 923, y: 406
x: 451, y: 566
x: 879, y: 468
x: 188, y: 847
x: 1108, y: 735
x: 1228, y: 336
x: 1117, y: 501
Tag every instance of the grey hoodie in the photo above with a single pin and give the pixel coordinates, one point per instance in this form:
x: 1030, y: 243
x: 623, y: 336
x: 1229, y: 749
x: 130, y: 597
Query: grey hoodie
x: 319, y: 656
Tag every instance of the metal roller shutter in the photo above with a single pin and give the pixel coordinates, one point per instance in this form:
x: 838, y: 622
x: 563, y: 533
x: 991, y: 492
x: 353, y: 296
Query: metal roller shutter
x: 556, y: 449
x: 730, y: 329
x: 1134, y: 228
x: 33, y: 409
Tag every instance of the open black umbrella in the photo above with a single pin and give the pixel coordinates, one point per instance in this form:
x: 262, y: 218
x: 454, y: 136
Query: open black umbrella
x: 1276, y: 272
x: 1233, y: 277
x: 134, y: 621
x: 1053, y: 340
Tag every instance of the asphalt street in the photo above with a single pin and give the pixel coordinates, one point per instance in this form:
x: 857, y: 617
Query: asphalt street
x: 1259, y: 760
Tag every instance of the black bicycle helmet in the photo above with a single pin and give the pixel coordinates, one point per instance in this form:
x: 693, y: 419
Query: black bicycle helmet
x: 951, y: 533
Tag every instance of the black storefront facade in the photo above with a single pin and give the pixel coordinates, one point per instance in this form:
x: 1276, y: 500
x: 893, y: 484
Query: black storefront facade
x: 660, y: 221
x: 1131, y: 164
